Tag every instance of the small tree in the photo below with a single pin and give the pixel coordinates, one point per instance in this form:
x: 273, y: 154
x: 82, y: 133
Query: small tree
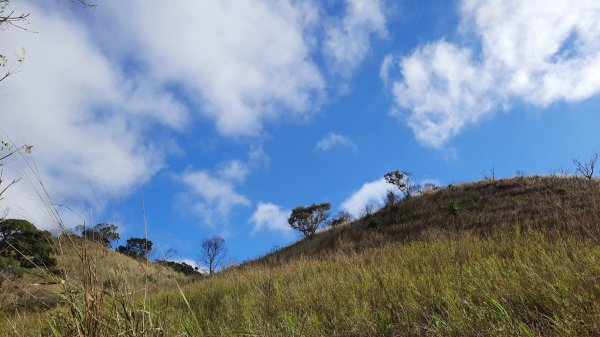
x: 391, y: 198
x: 213, y: 252
x: 308, y: 219
x: 102, y: 233
x: 340, y: 219
x: 404, y: 182
x: 138, y: 248
x: 586, y: 169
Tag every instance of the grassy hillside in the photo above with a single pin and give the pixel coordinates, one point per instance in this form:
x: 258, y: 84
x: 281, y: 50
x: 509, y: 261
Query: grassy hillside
x: 41, y: 289
x: 570, y: 205
x: 514, y: 257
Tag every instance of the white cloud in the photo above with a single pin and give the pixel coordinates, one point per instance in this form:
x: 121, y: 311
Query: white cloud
x: 270, y: 217
x: 347, y: 40
x: 370, y: 193
x: 97, y: 89
x: 234, y: 170
x: 246, y: 62
x: 443, y: 90
x: 211, y: 197
x: 85, y: 118
x: 537, y: 51
x: 384, y: 70
x: 333, y: 139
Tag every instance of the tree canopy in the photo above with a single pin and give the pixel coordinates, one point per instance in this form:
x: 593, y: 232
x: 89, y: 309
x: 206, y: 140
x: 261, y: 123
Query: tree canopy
x: 102, y: 233
x: 21, y: 241
x: 404, y: 182
x: 138, y: 248
x: 308, y: 219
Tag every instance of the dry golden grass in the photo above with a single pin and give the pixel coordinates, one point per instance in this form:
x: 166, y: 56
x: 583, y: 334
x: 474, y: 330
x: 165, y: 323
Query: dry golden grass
x: 553, y: 203
x: 40, y: 289
x: 513, y: 257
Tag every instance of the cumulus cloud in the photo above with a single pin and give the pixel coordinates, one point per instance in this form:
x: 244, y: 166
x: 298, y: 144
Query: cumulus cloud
x: 333, y: 139
x: 212, y: 197
x: 536, y: 51
x: 85, y: 118
x: 95, y: 88
x: 268, y: 216
x: 347, y: 39
x: 245, y: 62
x: 370, y: 193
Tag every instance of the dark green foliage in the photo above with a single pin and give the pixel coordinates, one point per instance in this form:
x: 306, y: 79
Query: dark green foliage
x: 561, y: 190
x: 308, y: 219
x: 138, y: 248
x: 180, y: 267
x: 102, y: 233
x: 375, y: 222
x: 454, y: 208
x: 9, y: 268
x: 20, y: 240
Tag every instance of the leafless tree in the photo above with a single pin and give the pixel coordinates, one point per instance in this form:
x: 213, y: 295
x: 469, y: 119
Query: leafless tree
x: 584, y: 168
x: 491, y: 175
x: 213, y: 252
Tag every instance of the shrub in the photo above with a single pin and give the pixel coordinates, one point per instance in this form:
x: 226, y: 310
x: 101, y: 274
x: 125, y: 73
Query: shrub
x: 341, y: 219
x: 375, y: 222
x: 391, y: 199
x: 180, y: 267
x: 22, y: 241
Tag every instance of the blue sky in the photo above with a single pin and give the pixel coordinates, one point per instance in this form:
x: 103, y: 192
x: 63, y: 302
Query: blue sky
x: 227, y: 114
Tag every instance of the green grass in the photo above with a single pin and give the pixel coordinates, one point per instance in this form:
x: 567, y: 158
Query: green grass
x: 521, y: 258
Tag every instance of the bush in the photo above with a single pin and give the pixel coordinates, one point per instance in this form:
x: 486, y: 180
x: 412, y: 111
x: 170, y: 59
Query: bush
x: 375, y: 222
x: 341, y: 219
x: 9, y: 268
x: 180, y: 267
x: 20, y: 240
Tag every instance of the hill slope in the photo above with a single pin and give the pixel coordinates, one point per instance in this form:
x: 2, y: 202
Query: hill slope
x: 570, y: 205
x: 78, y: 258
x: 514, y: 257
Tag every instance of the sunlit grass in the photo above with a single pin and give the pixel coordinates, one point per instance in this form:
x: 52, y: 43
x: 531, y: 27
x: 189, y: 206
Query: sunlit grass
x: 521, y: 259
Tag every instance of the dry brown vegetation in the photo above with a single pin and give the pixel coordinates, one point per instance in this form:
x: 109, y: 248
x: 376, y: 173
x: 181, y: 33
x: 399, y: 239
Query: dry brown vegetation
x: 41, y: 289
x: 549, y: 203
x: 511, y: 257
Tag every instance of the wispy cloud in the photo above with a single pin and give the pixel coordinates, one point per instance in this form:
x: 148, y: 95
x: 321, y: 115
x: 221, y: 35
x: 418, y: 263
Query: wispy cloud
x: 347, y: 39
x: 211, y: 197
x: 537, y: 51
x: 333, y: 139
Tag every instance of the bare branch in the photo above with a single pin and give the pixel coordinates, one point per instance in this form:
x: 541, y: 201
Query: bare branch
x: 212, y: 253
x: 584, y: 168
